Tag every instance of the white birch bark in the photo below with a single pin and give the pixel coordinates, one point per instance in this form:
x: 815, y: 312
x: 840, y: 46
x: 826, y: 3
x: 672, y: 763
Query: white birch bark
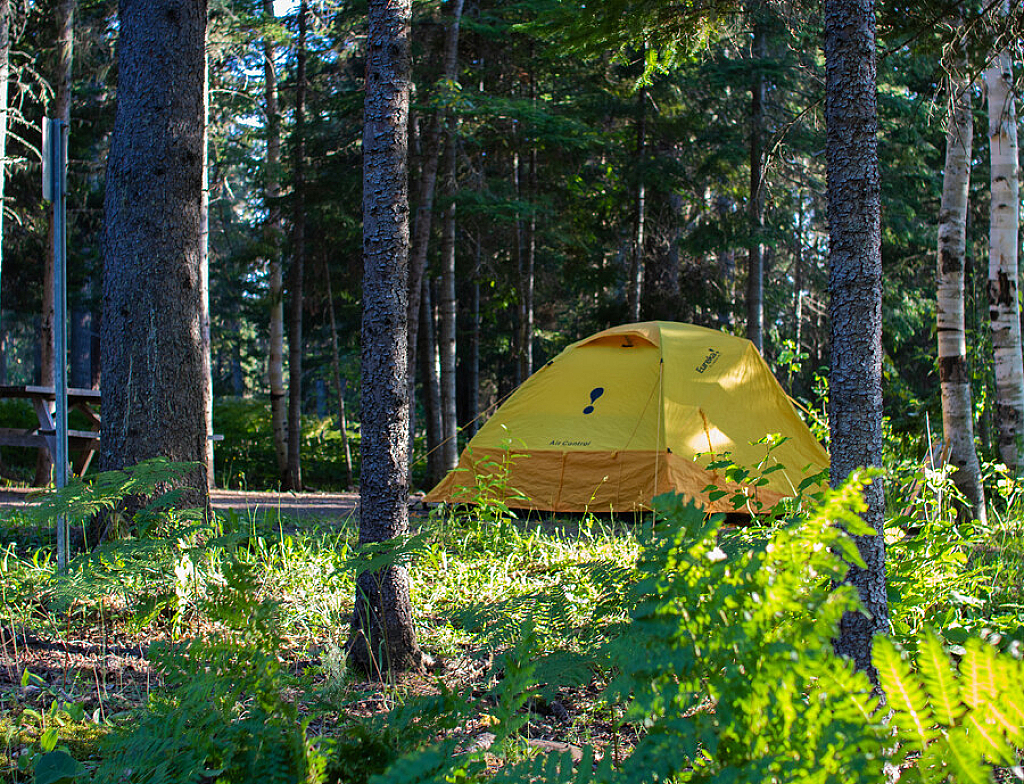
x: 1004, y: 308
x: 957, y: 412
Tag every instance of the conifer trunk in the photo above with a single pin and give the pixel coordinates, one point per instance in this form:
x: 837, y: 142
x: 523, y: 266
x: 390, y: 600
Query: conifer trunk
x: 1004, y: 308
x: 151, y: 343
x: 755, y: 208
x: 272, y: 233
x: 431, y: 146
x: 447, y: 342
x: 429, y: 372
x: 383, y: 638
x: 955, y: 380
x: 298, y: 266
x: 635, y: 284
x: 855, y: 310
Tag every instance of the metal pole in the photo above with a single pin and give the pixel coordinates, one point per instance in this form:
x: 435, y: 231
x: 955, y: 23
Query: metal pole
x: 56, y: 149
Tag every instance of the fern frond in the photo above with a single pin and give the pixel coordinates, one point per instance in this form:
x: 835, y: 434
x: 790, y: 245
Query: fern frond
x: 978, y: 669
x: 987, y: 738
x: 939, y: 680
x: 913, y: 716
x: 966, y: 759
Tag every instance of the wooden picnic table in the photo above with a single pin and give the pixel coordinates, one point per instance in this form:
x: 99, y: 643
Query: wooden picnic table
x: 43, y: 399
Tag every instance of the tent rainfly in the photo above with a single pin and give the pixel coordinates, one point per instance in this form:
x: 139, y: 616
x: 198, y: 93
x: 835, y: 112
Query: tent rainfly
x: 635, y: 411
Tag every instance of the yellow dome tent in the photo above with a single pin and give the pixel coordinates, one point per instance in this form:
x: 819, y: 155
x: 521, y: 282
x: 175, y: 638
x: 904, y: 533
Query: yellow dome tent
x: 634, y: 411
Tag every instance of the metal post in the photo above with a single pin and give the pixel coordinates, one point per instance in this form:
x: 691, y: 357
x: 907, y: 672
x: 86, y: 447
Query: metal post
x: 55, y: 149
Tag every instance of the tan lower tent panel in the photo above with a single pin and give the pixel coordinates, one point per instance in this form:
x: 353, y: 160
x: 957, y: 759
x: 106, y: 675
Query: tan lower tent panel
x: 565, y: 481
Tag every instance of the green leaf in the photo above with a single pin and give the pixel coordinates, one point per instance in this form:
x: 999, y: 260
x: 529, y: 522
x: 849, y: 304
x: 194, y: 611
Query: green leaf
x: 912, y: 715
x: 48, y: 740
x: 939, y: 680
x: 966, y: 759
x: 57, y: 767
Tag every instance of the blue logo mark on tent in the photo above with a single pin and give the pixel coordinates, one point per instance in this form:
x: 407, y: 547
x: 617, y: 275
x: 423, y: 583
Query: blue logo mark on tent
x: 595, y: 393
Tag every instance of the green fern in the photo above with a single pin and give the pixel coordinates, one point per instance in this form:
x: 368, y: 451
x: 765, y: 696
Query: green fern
x: 962, y: 724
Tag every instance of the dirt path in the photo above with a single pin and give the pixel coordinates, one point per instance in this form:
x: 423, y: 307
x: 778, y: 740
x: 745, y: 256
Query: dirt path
x: 327, y: 506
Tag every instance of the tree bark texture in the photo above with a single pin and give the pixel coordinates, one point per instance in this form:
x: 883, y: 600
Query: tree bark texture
x: 431, y: 145
x: 473, y: 369
x: 855, y: 286
x: 272, y: 234
x: 298, y: 266
x: 430, y: 374
x: 635, y: 284
x: 204, y: 274
x: 954, y: 378
x: 382, y: 634
x: 1004, y: 307
x: 755, y: 207
x: 726, y: 265
x: 154, y: 391
x: 447, y: 342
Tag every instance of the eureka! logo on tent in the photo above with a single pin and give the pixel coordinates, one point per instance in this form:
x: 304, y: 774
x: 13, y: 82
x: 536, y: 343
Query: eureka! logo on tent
x: 709, y: 360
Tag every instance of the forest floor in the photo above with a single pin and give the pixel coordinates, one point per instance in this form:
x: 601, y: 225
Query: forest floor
x: 86, y: 651
x: 326, y: 506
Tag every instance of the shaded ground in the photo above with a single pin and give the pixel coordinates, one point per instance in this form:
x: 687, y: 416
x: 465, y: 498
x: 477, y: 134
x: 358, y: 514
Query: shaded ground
x: 326, y: 506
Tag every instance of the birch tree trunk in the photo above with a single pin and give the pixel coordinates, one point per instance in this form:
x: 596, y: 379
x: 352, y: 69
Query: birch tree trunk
x: 382, y: 635
x: 272, y: 233
x: 955, y: 381
x: 1004, y: 308
x: 298, y: 266
x: 204, y: 273
x: 855, y: 286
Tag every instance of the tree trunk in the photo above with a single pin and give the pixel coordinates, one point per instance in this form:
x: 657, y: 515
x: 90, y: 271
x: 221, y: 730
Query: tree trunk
x: 755, y: 246
x: 5, y: 75
x: 154, y: 391
x: 61, y: 111
x: 1004, y: 308
x: 431, y: 144
x: 383, y: 637
x: 855, y: 286
x: 339, y: 387
x: 473, y: 372
x: 726, y: 264
x: 447, y: 343
x: 431, y: 386
x: 298, y: 267
x: 635, y: 284
x: 272, y: 233
x: 957, y: 411
x: 204, y: 274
